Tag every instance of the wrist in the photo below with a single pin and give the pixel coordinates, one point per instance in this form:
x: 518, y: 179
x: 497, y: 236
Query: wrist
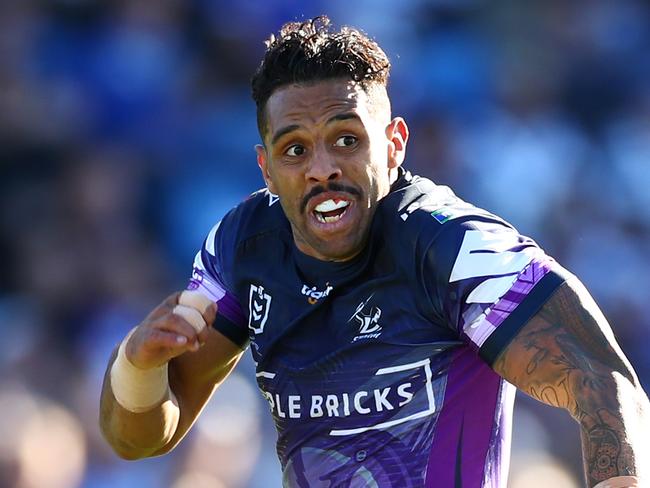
x: 137, y: 390
x: 619, y: 482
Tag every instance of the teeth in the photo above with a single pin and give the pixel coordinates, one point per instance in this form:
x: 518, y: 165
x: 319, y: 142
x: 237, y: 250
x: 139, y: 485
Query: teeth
x: 328, y: 220
x: 329, y: 205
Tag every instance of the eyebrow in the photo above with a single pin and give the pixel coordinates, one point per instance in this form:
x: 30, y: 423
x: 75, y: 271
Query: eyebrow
x: 283, y: 131
x: 343, y: 116
x: 336, y: 118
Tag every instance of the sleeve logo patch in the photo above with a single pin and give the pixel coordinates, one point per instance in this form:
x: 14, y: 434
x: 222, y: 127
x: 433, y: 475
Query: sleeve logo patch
x: 442, y: 215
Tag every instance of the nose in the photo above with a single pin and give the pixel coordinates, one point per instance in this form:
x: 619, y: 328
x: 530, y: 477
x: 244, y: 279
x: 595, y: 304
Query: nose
x: 323, y: 167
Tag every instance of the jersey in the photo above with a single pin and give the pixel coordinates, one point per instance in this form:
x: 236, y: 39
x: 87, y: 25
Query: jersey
x: 377, y: 370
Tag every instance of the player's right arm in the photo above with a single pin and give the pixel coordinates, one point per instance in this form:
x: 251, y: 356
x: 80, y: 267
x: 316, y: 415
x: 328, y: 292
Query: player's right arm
x: 537, y: 326
x: 176, y: 371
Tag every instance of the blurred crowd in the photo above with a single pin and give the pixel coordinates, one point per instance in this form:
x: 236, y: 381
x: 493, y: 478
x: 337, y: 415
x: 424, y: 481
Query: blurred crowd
x: 127, y: 130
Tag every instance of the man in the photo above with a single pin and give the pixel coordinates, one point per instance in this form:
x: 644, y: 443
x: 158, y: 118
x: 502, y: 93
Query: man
x: 388, y: 319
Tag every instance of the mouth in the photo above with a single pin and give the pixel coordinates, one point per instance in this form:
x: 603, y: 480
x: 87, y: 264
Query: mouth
x: 329, y: 211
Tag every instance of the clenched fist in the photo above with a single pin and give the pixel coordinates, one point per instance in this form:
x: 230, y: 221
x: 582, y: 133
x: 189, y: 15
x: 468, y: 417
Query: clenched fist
x: 176, y: 326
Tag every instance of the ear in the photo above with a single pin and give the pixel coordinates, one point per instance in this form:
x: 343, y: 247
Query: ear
x: 263, y: 163
x: 397, y: 134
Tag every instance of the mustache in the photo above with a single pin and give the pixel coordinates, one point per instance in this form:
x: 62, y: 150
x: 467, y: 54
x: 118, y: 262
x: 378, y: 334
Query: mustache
x: 337, y: 187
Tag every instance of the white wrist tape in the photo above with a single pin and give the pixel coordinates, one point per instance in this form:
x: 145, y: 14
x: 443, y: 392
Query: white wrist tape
x: 137, y: 390
x: 619, y: 482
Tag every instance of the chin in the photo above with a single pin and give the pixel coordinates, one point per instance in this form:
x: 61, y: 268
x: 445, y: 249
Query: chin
x: 340, y: 252
x: 340, y: 246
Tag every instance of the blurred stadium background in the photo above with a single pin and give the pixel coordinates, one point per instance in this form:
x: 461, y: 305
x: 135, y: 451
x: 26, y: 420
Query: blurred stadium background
x: 127, y: 129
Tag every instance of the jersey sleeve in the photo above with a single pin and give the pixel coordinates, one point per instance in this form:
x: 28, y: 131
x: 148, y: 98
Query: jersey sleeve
x: 486, y: 281
x: 211, y: 276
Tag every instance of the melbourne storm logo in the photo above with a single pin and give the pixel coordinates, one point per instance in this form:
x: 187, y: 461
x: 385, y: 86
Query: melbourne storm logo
x: 259, y: 303
x: 367, y: 320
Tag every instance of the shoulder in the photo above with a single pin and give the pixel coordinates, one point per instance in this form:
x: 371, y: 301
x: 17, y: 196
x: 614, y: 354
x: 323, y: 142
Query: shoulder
x: 419, y: 214
x: 259, y: 218
x: 260, y: 214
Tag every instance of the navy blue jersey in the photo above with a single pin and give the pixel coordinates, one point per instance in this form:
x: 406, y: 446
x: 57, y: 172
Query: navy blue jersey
x: 377, y: 370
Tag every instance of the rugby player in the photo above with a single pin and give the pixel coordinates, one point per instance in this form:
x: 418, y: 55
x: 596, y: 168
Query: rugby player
x: 388, y: 318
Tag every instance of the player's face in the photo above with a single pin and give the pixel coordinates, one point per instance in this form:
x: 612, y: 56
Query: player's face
x: 331, y: 153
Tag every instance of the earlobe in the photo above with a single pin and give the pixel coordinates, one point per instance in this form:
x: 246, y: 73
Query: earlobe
x: 262, y: 162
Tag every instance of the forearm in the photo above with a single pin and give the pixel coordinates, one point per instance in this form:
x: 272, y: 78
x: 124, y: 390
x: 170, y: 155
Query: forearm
x: 614, y: 417
x: 615, y: 433
x: 566, y: 356
x: 162, y: 375
x: 136, y: 435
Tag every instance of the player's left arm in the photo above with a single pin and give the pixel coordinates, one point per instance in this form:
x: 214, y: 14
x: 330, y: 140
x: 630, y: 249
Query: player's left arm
x: 567, y: 356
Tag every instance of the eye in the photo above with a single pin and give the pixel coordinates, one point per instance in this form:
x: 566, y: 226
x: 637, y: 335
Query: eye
x: 346, y: 141
x: 295, y: 150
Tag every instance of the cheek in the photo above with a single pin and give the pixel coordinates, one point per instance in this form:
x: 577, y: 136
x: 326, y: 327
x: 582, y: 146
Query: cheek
x: 379, y: 150
x: 269, y: 179
x: 279, y: 182
x: 369, y: 184
x: 290, y: 195
x: 272, y: 188
x: 378, y: 183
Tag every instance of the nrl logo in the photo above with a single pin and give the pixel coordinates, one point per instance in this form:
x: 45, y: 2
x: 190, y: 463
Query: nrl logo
x: 368, y: 322
x: 259, y: 303
x: 313, y: 295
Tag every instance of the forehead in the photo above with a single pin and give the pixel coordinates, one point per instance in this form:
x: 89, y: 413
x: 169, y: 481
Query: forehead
x: 315, y: 103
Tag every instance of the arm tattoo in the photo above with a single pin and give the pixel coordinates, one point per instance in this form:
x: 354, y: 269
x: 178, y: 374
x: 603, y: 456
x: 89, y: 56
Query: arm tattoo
x: 606, y: 455
x: 566, y: 356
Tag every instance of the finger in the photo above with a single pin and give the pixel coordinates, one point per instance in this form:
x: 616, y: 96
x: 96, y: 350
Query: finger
x: 191, y: 315
x: 205, y: 305
x: 195, y: 299
x: 165, y: 339
x: 210, y: 315
x: 195, y: 319
x: 155, y: 347
x: 177, y: 324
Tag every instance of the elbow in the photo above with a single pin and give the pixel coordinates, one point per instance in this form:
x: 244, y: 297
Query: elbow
x: 613, y: 393
x: 131, y: 447
x: 128, y: 454
x: 137, y: 436
x: 127, y: 451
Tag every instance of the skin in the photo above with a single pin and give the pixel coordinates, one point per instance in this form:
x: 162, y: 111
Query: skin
x: 330, y: 140
x: 333, y: 140
x: 198, y: 364
x: 566, y: 356
x: 352, y: 151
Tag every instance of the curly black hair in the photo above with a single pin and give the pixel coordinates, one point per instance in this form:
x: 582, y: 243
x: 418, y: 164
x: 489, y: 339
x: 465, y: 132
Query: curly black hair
x: 310, y: 51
